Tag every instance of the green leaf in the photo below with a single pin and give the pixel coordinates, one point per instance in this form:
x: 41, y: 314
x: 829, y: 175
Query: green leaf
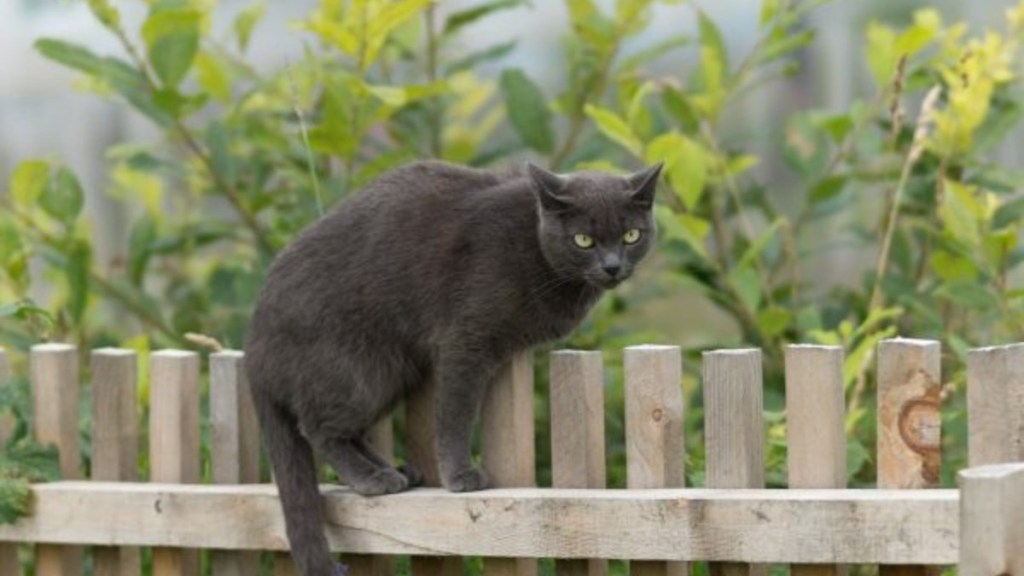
x: 968, y: 293
x: 246, y: 20
x: 711, y: 37
x: 756, y: 247
x: 686, y: 165
x: 678, y: 105
x: 474, y: 59
x: 77, y: 274
x: 62, y: 197
x: 653, y: 52
x: 140, y: 243
x: 769, y: 8
x: 747, y: 284
x: 1009, y: 213
x: 857, y: 456
x: 171, y: 33
x: 380, y: 26
x: 959, y: 213
x: 614, y: 127
x: 213, y: 77
x: 120, y: 76
x: 28, y: 182
x: 880, y: 52
x: 684, y: 228
x: 827, y: 188
x: 462, y: 18
x: 527, y: 110
x: 773, y: 320
x: 949, y: 266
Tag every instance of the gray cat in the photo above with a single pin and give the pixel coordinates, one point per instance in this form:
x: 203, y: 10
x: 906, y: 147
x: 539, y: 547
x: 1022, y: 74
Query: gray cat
x: 432, y: 271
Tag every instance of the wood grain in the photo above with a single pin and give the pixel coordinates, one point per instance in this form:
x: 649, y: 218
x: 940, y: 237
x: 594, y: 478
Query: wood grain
x: 734, y: 430
x: 115, y: 441
x: 762, y: 526
x: 234, y: 445
x: 909, y: 424
x: 54, y: 380
x: 991, y: 531
x: 508, y: 452
x: 654, y: 429
x: 174, y: 441
x: 995, y: 405
x: 577, y: 434
x: 815, y: 427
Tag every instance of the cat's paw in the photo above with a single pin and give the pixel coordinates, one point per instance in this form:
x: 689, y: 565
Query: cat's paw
x: 412, y: 475
x: 469, y: 480
x: 383, y: 481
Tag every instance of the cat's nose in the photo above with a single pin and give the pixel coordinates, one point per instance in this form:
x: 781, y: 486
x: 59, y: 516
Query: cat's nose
x: 611, y: 269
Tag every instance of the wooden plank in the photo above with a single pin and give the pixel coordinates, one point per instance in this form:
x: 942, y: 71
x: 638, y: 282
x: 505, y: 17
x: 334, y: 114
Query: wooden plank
x: 815, y: 427
x: 577, y: 434
x: 174, y: 441
x: 991, y: 530
x: 421, y: 452
x: 115, y: 441
x: 654, y: 429
x: 995, y: 405
x: 234, y: 445
x: 756, y: 525
x: 54, y: 380
x: 734, y: 430
x: 9, y: 563
x: 909, y: 423
x: 508, y: 451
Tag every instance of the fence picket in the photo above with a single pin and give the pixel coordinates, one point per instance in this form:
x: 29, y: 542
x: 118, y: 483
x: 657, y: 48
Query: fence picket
x: 734, y: 430
x: 382, y: 437
x: 508, y: 451
x: 174, y: 440
x: 654, y: 429
x: 909, y: 423
x: 420, y: 452
x: 815, y: 427
x: 54, y: 376
x: 9, y: 563
x: 115, y: 441
x: 577, y: 434
x: 234, y: 445
x: 995, y: 405
x: 991, y: 506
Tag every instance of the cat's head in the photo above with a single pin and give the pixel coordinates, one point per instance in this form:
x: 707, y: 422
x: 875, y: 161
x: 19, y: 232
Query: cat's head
x: 595, y: 226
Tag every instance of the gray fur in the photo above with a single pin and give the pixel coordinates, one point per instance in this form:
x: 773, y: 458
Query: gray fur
x: 431, y: 270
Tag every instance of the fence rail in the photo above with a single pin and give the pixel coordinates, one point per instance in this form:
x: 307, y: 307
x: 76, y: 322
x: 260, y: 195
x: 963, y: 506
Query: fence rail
x: 656, y: 523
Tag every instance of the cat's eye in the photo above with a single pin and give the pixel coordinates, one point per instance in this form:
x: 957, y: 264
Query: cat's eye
x: 631, y: 236
x: 583, y: 241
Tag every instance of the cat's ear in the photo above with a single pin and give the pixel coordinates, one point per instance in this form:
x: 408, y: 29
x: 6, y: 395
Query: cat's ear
x: 644, y: 183
x: 550, y: 188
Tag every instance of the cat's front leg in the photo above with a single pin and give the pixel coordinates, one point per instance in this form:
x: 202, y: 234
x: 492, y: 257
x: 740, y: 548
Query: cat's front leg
x: 463, y: 378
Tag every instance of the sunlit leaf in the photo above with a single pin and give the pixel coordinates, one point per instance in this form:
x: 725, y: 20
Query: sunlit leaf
x: 62, y: 197
x: 28, y: 181
x: 614, y: 127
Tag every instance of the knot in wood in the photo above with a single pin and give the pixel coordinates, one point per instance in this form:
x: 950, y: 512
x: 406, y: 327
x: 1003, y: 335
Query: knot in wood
x: 657, y: 414
x: 920, y: 427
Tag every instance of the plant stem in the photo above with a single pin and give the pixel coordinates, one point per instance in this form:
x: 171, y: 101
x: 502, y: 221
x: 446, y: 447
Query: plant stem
x: 437, y: 105
x: 229, y: 191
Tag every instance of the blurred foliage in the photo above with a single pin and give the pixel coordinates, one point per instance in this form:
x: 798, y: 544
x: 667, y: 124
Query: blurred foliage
x: 249, y: 157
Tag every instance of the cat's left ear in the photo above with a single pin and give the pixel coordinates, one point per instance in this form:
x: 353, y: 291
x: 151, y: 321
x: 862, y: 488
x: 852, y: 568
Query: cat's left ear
x: 550, y: 188
x: 644, y: 183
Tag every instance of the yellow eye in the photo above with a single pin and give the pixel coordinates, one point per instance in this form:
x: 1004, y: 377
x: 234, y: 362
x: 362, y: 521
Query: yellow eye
x: 631, y: 236
x: 583, y: 241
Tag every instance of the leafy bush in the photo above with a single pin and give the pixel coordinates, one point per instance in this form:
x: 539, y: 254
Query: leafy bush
x: 249, y: 157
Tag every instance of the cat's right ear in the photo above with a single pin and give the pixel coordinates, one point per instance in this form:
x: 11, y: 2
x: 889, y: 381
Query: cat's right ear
x: 550, y: 188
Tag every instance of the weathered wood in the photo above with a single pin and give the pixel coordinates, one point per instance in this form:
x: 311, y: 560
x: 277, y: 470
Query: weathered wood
x: 115, y: 441
x: 848, y: 526
x: 654, y: 429
x: 815, y: 427
x: 909, y: 423
x: 991, y: 530
x: 174, y: 441
x: 54, y: 377
x: 577, y: 434
x: 508, y: 450
x: 421, y: 453
x: 734, y: 429
x: 995, y: 405
x: 234, y: 445
x: 9, y: 563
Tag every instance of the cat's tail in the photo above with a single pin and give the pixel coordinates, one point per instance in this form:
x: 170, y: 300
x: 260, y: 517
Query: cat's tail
x: 295, y: 475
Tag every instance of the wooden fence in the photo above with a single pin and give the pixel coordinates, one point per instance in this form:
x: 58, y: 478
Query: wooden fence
x: 656, y: 523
